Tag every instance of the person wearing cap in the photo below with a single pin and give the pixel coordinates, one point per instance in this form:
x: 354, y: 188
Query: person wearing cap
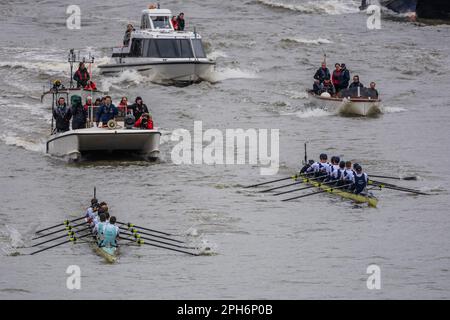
x: 62, y: 115
x: 320, y: 168
x: 144, y: 122
x: 345, y: 77
x: 360, y: 179
x: 139, y: 108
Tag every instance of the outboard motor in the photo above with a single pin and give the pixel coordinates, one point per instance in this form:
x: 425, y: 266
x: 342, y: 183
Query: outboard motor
x: 129, y: 121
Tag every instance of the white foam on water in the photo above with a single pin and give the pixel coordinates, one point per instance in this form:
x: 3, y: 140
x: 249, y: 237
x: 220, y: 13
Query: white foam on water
x: 13, y: 140
x: 311, y: 113
x: 15, y: 237
x: 217, y: 54
x: 230, y: 73
x: 331, y: 7
x: 308, y: 41
x: 392, y: 109
x: 126, y: 76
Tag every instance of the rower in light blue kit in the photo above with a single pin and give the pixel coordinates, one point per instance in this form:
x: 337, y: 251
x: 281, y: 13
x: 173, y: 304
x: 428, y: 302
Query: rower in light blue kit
x: 110, y: 233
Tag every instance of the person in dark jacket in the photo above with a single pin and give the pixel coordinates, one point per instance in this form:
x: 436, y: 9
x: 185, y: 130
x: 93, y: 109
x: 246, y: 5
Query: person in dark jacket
x: 356, y: 83
x: 322, y: 73
x: 328, y: 87
x: 81, y: 76
x: 139, y: 108
x: 181, y: 22
x: 373, y: 89
x: 127, y: 36
x: 62, y: 115
x: 79, y: 113
x: 106, y: 112
x: 345, y: 77
x: 317, y: 87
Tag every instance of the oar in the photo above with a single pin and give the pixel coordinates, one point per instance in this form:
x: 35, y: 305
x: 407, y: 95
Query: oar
x: 138, y: 236
x: 317, y: 192
x: 74, y: 239
x: 70, y: 233
x: 292, y: 184
x: 140, y: 242
x: 395, y: 187
x: 133, y: 230
x: 394, y: 178
x: 65, y: 223
x: 130, y: 225
x: 294, y: 177
x: 68, y: 227
x: 295, y: 190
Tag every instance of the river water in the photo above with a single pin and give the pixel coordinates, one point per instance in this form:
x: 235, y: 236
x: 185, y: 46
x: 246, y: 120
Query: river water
x: 267, y: 52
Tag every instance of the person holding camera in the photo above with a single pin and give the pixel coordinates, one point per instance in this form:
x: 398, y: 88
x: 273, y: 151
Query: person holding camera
x: 144, y: 122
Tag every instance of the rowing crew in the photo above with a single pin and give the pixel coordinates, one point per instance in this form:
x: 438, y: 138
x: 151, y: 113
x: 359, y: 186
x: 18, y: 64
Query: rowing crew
x: 102, y: 225
x: 339, y: 173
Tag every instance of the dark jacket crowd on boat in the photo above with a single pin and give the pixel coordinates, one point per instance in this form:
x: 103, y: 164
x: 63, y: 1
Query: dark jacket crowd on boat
x: 138, y: 108
x: 62, y: 114
x: 81, y: 76
x: 79, y: 113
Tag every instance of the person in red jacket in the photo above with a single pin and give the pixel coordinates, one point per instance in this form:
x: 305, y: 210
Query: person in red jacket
x: 90, y: 86
x: 337, y: 77
x: 175, y: 22
x: 144, y: 122
x: 81, y: 76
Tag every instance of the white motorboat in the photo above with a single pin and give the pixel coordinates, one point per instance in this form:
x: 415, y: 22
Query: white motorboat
x: 348, y: 104
x: 162, y: 53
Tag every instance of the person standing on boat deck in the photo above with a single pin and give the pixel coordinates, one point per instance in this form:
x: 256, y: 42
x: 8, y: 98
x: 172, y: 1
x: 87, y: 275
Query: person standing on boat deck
x: 174, y: 23
x: 373, y: 90
x: 360, y: 179
x: 356, y: 83
x: 106, y: 112
x: 181, y: 22
x: 127, y: 36
x: 81, y: 76
x: 336, y: 78
x: 62, y: 115
x: 79, y: 113
x: 110, y: 233
x: 322, y: 73
x: 139, y: 108
x: 345, y: 77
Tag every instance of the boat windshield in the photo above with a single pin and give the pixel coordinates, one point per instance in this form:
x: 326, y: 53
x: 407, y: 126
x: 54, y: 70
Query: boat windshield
x: 167, y: 48
x: 161, y: 22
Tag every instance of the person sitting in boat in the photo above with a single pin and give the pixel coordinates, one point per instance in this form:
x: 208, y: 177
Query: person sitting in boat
x: 91, y: 212
x: 106, y: 112
x: 100, y: 226
x: 322, y: 73
x: 91, y: 86
x: 144, y: 122
x: 328, y: 87
x: 321, y: 168
x: 110, y: 233
x: 338, y: 174
x: 174, y: 23
x: 317, y: 87
x: 79, y: 113
x: 139, y: 108
x: 81, y: 76
x: 372, y: 90
x: 62, y: 115
x: 304, y: 169
x: 345, y: 77
x: 127, y: 36
x: 334, y: 167
x: 348, y: 173
x: 123, y: 106
x: 336, y: 79
x: 356, y: 83
x: 181, y: 22
x: 360, y: 180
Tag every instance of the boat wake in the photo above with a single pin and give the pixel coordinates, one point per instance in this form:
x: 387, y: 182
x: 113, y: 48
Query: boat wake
x: 229, y: 74
x: 330, y: 7
x: 13, y: 140
x: 393, y: 109
x: 317, y: 41
x: 310, y: 113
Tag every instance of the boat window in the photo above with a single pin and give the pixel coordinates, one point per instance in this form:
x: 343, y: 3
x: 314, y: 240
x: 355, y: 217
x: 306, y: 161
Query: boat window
x: 161, y: 22
x: 185, y: 48
x: 198, y: 48
x: 136, y: 48
x: 166, y: 48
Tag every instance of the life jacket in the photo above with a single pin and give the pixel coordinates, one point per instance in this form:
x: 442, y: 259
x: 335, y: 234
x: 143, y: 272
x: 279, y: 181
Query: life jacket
x: 91, y: 86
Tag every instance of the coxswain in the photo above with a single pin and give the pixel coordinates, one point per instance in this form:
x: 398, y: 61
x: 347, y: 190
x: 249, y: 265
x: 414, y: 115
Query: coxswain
x: 110, y: 233
x: 91, y: 211
x: 304, y: 169
x: 360, y: 179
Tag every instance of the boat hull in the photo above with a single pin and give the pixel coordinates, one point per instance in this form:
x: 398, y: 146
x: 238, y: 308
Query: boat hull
x: 358, y: 198
x: 74, y: 143
x: 159, y: 71
x: 108, y: 253
x: 345, y: 106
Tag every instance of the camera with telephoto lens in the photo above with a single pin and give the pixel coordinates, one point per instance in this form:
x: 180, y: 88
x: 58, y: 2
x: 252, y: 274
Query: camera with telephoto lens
x: 129, y: 121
